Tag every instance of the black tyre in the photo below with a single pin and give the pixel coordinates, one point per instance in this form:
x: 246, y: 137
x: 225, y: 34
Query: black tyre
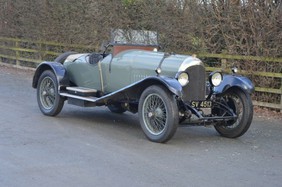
x: 48, y: 98
x: 241, y: 104
x: 62, y: 57
x: 158, y: 114
x: 116, y: 108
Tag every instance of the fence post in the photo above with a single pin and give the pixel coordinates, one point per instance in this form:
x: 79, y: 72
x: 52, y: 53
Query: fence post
x: 281, y: 96
x: 223, y: 64
x: 40, y: 52
x: 17, y: 54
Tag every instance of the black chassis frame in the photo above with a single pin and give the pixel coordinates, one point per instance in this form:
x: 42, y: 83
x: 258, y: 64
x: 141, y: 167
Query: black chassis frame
x: 233, y: 81
x: 131, y: 94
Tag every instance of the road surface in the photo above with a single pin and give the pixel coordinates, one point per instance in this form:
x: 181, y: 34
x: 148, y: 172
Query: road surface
x: 94, y: 147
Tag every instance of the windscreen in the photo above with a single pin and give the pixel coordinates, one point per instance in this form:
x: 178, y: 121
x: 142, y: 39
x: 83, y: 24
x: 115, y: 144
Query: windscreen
x: 136, y: 37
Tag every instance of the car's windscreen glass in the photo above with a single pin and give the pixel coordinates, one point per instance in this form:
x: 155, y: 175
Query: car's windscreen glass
x: 138, y: 37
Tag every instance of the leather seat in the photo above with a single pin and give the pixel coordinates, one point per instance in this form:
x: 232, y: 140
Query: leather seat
x: 94, y: 58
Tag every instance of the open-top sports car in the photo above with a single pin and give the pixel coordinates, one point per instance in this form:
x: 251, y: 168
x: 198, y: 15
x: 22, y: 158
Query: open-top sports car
x: 166, y: 89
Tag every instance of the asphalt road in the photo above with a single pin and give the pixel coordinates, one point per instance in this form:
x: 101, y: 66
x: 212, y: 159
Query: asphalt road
x: 93, y: 147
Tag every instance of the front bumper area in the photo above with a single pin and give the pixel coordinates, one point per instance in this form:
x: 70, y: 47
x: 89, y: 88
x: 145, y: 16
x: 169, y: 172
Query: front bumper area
x: 197, y: 116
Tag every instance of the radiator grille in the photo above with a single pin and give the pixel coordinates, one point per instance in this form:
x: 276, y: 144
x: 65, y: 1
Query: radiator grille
x: 196, y: 88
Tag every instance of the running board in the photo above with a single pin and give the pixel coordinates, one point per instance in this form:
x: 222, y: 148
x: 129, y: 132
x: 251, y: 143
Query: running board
x: 91, y: 99
x: 81, y: 91
x: 80, y: 100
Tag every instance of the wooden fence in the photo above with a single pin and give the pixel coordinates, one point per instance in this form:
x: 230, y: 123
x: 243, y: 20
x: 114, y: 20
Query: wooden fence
x: 27, y: 53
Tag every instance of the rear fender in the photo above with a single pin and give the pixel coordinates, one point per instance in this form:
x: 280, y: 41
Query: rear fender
x: 230, y: 81
x: 56, y: 67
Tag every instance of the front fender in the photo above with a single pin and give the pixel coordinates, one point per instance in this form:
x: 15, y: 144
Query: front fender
x: 234, y: 81
x: 170, y: 83
x: 56, y: 67
x: 136, y: 89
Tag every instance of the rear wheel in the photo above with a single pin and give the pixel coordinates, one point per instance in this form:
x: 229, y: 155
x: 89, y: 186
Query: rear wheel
x: 241, y: 104
x: 158, y: 114
x: 48, y: 98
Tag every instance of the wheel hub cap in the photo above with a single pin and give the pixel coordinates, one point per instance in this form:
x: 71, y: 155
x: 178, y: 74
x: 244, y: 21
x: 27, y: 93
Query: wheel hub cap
x: 150, y: 114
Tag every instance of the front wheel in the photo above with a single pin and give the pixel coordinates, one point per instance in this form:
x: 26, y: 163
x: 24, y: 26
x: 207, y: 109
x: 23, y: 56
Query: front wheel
x: 241, y: 104
x: 158, y: 114
x: 48, y: 98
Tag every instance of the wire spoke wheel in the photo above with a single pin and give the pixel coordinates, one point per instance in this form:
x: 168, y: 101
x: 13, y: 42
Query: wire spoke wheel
x: 241, y: 104
x: 47, y: 93
x: 154, y: 114
x: 158, y: 114
x: 235, y: 103
x: 48, y: 98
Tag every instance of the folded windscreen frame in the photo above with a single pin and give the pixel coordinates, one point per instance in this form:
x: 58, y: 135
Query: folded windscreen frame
x: 123, y: 40
x: 134, y: 37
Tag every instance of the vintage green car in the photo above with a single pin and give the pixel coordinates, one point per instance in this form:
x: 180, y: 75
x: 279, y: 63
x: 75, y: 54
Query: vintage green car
x: 166, y: 89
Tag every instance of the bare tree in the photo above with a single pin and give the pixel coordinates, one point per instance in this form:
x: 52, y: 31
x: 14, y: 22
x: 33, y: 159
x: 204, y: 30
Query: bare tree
x: 248, y: 27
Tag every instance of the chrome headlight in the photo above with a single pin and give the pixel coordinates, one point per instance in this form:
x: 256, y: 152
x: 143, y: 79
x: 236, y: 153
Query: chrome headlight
x: 183, y: 78
x: 215, y: 78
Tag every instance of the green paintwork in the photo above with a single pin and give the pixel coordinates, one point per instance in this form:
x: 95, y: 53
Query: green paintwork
x: 125, y: 68
x: 83, y: 74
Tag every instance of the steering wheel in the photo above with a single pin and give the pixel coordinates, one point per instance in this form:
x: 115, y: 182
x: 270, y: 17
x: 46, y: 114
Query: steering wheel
x: 106, y: 48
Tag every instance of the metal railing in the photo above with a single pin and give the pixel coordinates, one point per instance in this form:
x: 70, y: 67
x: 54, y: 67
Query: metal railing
x: 27, y: 53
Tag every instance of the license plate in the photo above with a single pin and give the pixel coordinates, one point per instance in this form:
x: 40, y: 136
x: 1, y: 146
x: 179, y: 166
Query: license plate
x: 201, y: 104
